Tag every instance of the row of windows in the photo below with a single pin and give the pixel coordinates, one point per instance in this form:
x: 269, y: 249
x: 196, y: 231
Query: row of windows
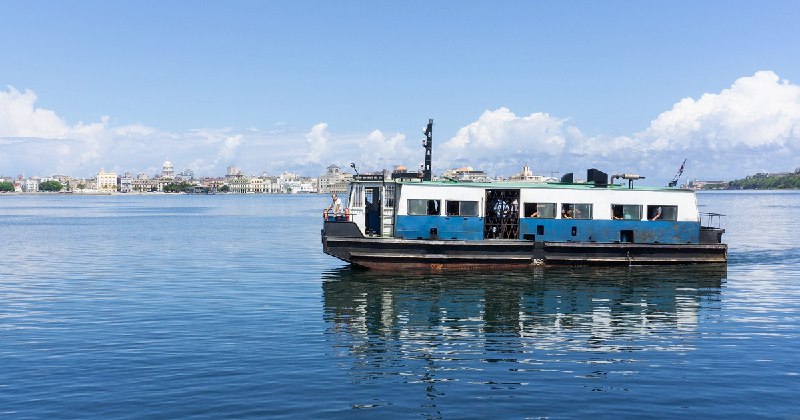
x: 634, y: 212
x: 618, y: 211
x: 547, y: 210
x: 433, y: 208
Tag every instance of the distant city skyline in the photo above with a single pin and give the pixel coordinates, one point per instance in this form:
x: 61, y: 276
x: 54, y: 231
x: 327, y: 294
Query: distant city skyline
x: 272, y: 87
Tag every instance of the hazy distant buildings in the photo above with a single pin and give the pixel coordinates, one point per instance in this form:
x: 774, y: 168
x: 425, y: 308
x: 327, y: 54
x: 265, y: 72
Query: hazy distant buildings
x: 186, y: 175
x: 699, y: 185
x: 238, y: 184
x: 31, y: 184
x: 292, y: 183
x: 467, y: 174
x: 167, y: 171
x: 126, y: 183
x: 232, y: 171
x: 527, y: 176
x: 256, y: 185
x: 143, y: 183
x: 333, y: 181
x: 106, y: 181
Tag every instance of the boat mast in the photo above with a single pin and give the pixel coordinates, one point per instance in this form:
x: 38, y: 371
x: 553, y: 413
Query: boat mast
x: 428, y: 144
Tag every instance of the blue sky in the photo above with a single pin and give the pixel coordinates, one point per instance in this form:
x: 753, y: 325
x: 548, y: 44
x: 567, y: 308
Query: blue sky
x: 273, y: 86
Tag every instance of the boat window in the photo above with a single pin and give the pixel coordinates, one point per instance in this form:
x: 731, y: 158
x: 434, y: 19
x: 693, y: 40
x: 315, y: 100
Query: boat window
x: 452, y: 208
x: 469, y: 208
x: 576, y: 211
x: 356, y: 197
x: 540, y: 210
x: 389, y: 196
x: 626, y: 211
x: 423, y: 207
x: 660, y: 212
x: 462, y: 208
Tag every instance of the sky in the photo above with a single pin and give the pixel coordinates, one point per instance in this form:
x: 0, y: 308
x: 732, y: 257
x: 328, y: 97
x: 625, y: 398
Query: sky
x: 621, y: 86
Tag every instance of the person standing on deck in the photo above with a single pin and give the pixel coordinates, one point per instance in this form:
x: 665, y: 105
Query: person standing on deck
x: 335, y: 207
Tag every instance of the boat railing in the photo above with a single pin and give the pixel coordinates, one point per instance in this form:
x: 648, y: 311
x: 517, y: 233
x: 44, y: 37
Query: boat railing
x: 710, y: 220
x: 330, y: 216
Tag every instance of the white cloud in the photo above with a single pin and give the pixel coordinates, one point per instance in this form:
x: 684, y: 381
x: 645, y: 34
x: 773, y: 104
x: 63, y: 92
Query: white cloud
x: 381, y: 152
x: 317, y: 142
x: 229, y: 147
x: 19, y: 118
x: 35, y: 141
x: 501, y: 130
x: 752, y: 126
x: 501, y: 142
x: 756, y: 111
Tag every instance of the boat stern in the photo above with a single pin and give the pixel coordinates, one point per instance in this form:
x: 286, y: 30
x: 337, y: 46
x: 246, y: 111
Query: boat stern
x: 338, y: 230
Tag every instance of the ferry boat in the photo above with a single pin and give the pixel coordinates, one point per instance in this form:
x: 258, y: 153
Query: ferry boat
x: 407, y: 220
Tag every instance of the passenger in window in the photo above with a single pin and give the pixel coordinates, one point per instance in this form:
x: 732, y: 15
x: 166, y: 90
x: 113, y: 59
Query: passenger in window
x: 433, y: 207
x: 566, y: 214
x: 532, y: 209
x: 616, y: 212
x: 657, y: 216
x: 501, y: 208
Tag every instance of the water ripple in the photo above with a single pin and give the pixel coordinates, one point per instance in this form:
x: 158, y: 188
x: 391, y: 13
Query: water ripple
x: 224, y: 306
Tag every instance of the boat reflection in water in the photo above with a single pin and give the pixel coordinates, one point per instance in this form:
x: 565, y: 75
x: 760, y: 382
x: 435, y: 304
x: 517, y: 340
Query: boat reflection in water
x: 605, y: 303
x: 487, y: 328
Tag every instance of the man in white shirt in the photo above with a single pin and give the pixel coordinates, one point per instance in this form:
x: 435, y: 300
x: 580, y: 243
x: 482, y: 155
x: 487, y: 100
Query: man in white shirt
x: 336, y: 206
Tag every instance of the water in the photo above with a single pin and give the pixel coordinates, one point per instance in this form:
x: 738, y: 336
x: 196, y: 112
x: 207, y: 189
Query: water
x: 176, y: 306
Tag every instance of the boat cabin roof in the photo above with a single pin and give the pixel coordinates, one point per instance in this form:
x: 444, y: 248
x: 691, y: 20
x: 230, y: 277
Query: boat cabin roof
x: 529, y: 185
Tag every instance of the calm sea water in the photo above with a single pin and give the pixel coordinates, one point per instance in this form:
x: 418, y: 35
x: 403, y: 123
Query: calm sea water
x: 177, y: 306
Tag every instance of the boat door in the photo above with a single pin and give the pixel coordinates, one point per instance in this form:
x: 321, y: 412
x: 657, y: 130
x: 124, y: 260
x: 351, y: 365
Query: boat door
x: 502, y: 214
x: 372, y: 210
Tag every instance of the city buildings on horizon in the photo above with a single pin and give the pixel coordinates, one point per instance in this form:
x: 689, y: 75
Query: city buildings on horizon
x: 334, y: 180
x: 234, y: 181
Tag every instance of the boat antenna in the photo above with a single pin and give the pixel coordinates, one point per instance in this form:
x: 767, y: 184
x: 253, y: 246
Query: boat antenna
x: 428, y: 145
x: 674, y: 181
x: 353, y: 165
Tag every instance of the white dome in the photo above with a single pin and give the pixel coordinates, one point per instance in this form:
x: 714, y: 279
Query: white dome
x: 167, y: 171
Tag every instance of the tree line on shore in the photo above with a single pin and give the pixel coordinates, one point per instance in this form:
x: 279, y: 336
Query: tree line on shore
x: 783, y: 181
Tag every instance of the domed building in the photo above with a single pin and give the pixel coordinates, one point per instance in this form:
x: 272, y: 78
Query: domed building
x: 167, y: 171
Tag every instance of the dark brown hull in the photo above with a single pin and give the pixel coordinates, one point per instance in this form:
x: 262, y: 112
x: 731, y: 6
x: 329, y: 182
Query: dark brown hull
x: 344, y: 241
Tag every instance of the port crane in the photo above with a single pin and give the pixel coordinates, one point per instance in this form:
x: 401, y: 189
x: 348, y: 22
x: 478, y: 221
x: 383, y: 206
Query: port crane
x: 674, y: 181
